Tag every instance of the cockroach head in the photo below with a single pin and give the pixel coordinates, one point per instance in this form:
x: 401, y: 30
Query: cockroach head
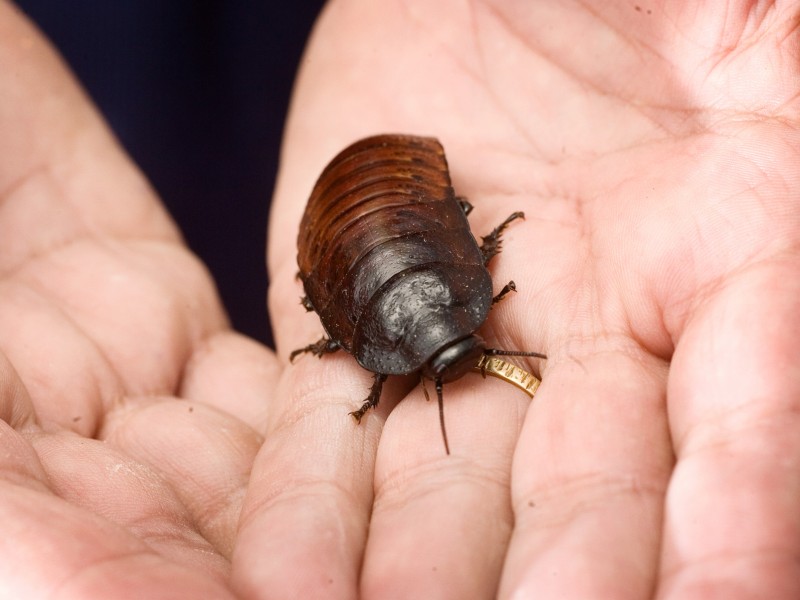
x: 454, y: 360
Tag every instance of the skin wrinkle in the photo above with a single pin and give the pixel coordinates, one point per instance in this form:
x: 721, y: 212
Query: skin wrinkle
x: 164, y: 529
x: 735, y: 28
x: 663, y: 353
x: 16, y: 408
x: 485, y: 76
x: 622, y: 33
x: 472, y: 11
x: 481, y: 75
x: 705, y: 290
x: 213, y: 521
x: 131, y: 563
x: 539, y: 51
x: 83, y: 231
x: 394, y: 492
x: 10, y: 193
x: 302, y: 411
x: 51, y: 298
x: 19, y: 476
x: 595, y: 490
x: 708, y: 291
x: 717, y: 432
x: 595, y: 87
x: 672, y: 108
x: 297, y: 489
x: 97, y: 564
x: 743, y: 52
x: 591, y: 254
x: 792, y: 29
x: 432, y: 32
x: 596, y: 344
x: 212, y: 510
x: 307, y: 407
x: 217, y: 513
x: 98, y: 402
x: 745, y: 586
x: 19, y: 182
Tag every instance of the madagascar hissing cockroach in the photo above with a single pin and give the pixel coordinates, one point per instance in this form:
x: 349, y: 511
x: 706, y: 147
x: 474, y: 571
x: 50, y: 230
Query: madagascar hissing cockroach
x: 389, y: 263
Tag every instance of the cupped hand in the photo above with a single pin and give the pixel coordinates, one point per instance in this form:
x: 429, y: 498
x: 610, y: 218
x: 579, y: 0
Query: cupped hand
x: 131, y: 414
x: 653, y: 148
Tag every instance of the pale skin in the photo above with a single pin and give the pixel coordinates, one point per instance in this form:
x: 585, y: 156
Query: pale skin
x: 146, y: 450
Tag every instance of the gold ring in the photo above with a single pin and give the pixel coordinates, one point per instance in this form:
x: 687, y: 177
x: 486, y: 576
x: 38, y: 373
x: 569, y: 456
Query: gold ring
x: 491, y: 365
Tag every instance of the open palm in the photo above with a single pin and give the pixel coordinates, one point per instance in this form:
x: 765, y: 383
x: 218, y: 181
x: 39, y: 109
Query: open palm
x: 148, y: 451
x: 653, y: 149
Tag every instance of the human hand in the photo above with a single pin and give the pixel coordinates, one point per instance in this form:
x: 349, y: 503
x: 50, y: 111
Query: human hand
x: 131, y: 414
x: 653, y: 149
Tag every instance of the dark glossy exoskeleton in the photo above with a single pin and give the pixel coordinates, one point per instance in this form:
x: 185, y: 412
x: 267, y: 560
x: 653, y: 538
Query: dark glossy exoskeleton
x: 388, y: 262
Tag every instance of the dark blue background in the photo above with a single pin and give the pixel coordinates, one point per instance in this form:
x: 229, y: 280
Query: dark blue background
x: 197, y: 92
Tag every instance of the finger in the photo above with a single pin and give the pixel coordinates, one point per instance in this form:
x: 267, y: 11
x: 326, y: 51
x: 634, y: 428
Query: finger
x: 589, y: 477
x: 441, y: 523
x: 305, y: 517
x: 234, y: 374
x: 732, y: 528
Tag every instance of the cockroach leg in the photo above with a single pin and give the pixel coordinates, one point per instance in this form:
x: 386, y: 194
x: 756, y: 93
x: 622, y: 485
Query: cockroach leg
x: 306, y: 302
x: 509, y: 287
x: 491, y: 243
x: 372, y: 399
x: 322, y: 346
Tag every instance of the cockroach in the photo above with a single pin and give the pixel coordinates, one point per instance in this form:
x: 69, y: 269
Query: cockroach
x: 389, y: 263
